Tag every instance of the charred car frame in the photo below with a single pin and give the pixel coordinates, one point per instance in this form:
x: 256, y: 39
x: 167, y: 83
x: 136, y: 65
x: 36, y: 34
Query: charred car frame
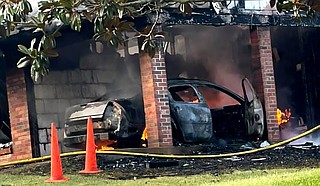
x: 200, y: 112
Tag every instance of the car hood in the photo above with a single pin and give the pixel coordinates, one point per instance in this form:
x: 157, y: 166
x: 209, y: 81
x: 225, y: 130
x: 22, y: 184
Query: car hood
x: 83, y: 111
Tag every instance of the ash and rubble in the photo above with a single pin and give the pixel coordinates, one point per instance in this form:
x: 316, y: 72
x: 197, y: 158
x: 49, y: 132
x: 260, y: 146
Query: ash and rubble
x: 125, y: 167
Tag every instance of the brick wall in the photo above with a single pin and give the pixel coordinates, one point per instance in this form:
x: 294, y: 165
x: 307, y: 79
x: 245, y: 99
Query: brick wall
x: 19, y: 119
x: 156, y: 103
x: 264, y: 82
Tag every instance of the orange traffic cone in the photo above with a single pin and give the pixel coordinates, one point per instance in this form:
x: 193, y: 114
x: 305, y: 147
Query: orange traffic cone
x: 91, y: 159
x: 56, y: 166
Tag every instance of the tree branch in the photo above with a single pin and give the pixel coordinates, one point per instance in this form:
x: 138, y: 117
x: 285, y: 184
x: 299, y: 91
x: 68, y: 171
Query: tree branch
x: 168, y: 1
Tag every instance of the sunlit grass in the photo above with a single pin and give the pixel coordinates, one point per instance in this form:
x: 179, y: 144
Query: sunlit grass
x: 278, y: 177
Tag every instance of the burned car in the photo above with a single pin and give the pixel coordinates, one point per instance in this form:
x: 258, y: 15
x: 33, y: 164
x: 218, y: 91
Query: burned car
x: 201, y: 111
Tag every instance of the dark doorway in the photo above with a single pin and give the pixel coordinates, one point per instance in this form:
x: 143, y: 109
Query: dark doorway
x: 5, y: 132
x: 296, y: 53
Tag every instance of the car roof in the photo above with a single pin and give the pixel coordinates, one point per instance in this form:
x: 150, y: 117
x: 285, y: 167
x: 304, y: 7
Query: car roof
x: 182, y: 81
x: 199, y: 82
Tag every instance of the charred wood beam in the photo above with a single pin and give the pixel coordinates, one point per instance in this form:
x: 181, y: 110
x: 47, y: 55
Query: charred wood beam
x: 206, y: 16
x: 170, y: 16
x: 32, y: 114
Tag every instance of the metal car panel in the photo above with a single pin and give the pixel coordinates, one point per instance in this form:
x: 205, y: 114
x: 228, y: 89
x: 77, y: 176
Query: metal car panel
x: 193, y: 119
x: 254, y: 113
x: 83, y: 111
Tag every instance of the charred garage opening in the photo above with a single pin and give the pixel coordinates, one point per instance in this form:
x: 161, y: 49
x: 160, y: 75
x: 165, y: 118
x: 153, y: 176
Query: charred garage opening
x: 296, y: 64
x: 200, y: 111
x: 209, y: 63
x: 5, y: 132
x: 198, y: 91
x: 221, y: 55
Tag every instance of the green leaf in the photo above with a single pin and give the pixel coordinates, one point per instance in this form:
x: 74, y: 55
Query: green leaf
x: 24, y: 49
x: 279, y: 7
x: 76, y: 22
x: 12, y: 26
x: 28, y: 6
x: 51, y: 53
x: 36, y: 64
x: 129, y: 11
x: 120, y: 12
x: 23, y: 62
x: 112, y: 10
x: 33, y: 41
x: 311, y: 13
x: 64, y: 17
x: 3, y: 32
x: 1, y: 17
x: 66, y: 3
x: 57, y: 34
x: 101, y: 12
x: 35, y: 20
x: 287, y: 6
x: 115, y: 21
x: 87, y: 15
x: 125, y: 26
x: 107, y: 36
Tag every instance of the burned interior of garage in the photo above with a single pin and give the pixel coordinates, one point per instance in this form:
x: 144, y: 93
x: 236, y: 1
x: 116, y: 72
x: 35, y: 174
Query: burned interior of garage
x: 296, y: 64
x: 5, y: 132
x: 217, y: 54
x: 84, y: 76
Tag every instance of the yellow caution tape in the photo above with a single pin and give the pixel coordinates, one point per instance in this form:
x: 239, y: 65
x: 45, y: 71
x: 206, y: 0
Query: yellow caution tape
x: 114, y: 152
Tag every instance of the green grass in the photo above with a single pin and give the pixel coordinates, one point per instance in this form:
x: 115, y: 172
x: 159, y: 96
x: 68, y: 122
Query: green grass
x: 278, y: 177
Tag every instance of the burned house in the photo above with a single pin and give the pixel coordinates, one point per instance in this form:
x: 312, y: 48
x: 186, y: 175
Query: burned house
x: 222, y: 48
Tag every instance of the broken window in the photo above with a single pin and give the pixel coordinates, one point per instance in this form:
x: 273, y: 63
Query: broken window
x: 184, y: 94
x: 216, y: 98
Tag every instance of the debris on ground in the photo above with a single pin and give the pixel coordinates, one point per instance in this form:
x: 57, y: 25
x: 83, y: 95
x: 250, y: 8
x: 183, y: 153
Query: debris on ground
x: 124, y: 167
x: 264, y: 144
x: 248, y: 146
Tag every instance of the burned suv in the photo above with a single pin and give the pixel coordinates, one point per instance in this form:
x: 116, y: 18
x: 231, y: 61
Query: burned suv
x: 201, y: 111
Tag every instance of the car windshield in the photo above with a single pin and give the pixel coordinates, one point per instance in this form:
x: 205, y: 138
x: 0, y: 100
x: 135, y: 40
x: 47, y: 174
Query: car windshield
x: 216, y: 98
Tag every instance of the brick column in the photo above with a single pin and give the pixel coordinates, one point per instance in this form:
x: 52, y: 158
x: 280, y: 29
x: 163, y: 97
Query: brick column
x: 263, y: 76
x: 156, y: 103
x: 19, y: 118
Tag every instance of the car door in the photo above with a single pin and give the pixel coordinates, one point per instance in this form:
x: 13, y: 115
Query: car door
x: 190, y: 114
x: 226, y: 109
x: 254, y: 113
